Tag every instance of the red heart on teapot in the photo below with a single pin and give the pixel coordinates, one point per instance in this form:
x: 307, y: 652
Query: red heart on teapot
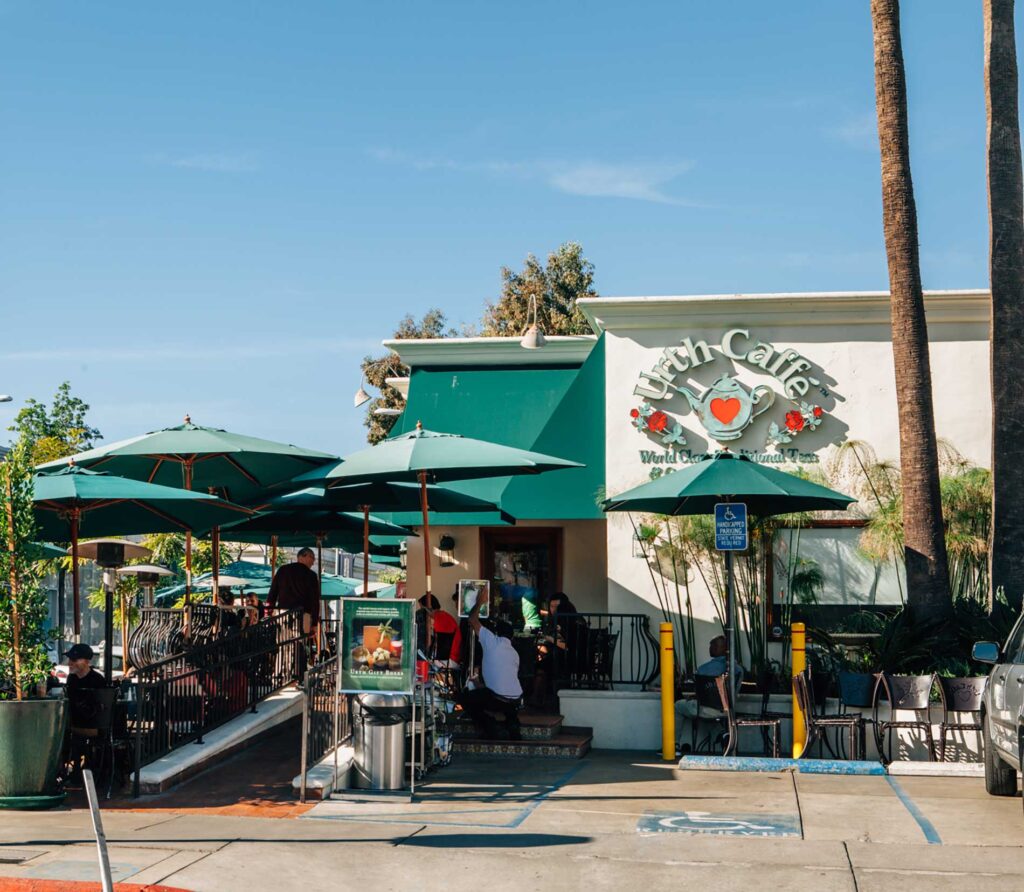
x: 725, y: 410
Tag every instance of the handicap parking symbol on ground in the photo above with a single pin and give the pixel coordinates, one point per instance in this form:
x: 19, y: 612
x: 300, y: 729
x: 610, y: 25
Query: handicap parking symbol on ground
x: 720, y: 824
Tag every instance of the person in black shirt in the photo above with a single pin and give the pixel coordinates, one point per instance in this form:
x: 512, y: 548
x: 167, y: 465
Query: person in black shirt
x: 82, y: 677
x: 297, y: 587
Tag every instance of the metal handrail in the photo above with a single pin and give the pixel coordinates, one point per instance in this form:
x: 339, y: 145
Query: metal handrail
x: 181, y: 698
x: 326, y: 717
x: 603, y: 650
x: 164, y: 632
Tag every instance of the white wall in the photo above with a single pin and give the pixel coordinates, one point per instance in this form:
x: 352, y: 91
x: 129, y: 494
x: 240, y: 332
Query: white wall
x: 853, y: 350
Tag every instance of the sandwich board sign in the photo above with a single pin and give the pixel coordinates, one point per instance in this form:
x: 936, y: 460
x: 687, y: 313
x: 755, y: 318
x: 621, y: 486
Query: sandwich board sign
x: 731, y: 526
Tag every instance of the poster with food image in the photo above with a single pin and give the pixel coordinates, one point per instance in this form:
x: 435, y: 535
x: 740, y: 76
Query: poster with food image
x: 378, y: 645
x: 469, y: 591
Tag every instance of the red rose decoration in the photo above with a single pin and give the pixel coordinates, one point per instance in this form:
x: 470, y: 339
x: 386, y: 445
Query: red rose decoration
x: 794, y: 421
x: 818, y: 412
x: 657, y: 422
x: 634, y: 413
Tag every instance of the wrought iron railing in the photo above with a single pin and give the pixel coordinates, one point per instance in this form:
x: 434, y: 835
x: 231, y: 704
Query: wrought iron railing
x: 164, y: 632
x: 181, y: 698
x: 601, y: 650
x: 326, y: 721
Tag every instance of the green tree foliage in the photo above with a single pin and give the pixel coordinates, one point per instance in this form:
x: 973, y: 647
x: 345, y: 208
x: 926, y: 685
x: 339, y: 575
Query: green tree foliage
x: 56, y: 431
x: 23, y: 601
x: 168, y: 550
x: 566, y: 277
x: 377, y: 369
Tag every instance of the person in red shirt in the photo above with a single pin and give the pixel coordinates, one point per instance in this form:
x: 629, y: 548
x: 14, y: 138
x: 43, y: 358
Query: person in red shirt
x: 444, y: 639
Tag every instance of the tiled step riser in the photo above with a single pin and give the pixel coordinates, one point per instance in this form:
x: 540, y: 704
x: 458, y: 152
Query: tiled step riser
x: 511, y: 750
x: 529, y: 732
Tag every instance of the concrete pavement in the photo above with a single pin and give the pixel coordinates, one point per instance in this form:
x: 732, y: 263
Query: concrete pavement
x: 608, y: 821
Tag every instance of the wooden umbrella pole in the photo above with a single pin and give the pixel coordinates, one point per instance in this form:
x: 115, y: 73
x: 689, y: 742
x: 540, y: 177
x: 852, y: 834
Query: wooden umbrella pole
x: 426, y: 528
x: 215, y: 543
x: 124, y: 631
x: 13, y: 570
x: 273, y: 557
x: 187, y: 471
x: 74, y: 574
x: 366, y: 551
x: 320, y: 582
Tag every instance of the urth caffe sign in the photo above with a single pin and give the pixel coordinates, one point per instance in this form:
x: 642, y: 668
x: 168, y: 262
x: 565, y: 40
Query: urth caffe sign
x: 727, y: 408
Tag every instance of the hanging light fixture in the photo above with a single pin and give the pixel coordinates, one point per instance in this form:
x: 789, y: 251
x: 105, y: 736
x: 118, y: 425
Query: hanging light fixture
x: 533, y: 337
x: 447, y: 549
x: 361, y: 395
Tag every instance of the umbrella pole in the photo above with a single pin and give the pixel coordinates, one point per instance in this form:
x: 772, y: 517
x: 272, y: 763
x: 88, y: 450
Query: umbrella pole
x: 74, y: 574
x: 187, y: 471
x: 320, y: 583
x: 273, y: 557
x: 215, y: 543
x: 124, y: 630
x: 426, y: 528
x: 366, y: 551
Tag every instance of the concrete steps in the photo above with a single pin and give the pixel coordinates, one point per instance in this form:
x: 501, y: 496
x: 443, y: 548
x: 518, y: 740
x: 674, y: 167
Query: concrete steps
x: 544, y: 737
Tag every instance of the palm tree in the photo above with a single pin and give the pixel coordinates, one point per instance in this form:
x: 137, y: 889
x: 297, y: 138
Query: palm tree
x: 924, y: 548
x: 1006, y: 275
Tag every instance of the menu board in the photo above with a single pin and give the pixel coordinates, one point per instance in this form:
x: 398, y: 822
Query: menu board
x: 378, y: 645
x: 469, y: 591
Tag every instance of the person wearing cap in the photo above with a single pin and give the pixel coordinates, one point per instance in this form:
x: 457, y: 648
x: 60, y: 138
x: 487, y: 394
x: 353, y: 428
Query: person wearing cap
x: 82, y: 679
x: 502, y: 692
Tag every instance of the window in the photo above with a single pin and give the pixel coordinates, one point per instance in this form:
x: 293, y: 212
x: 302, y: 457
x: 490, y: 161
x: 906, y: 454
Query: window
x: 849, y: 578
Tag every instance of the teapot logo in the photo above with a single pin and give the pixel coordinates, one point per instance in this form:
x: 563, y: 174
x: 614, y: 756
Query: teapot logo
x: 726, y: 409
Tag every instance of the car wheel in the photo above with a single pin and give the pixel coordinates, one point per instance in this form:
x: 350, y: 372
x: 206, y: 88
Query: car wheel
x: 1000, y: 779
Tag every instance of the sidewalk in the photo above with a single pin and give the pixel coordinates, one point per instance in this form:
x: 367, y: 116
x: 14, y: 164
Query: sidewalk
x: 609, y: 821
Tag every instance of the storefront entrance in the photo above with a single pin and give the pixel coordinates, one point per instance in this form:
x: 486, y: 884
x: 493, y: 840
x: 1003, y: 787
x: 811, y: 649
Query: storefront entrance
x: 525, y: 569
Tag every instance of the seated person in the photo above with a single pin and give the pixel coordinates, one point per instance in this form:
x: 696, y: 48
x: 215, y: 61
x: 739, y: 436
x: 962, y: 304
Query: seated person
x: 715, y: 666
x: 501, y: 692
x: 84, y: 709
x: 444, y: 640
x: 568, y: 636
x: 229, y: 620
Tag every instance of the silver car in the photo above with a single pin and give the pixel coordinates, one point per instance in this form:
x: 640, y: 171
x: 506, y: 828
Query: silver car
x: 1002, y: 711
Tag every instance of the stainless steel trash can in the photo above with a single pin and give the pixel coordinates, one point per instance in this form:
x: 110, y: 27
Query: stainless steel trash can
x: 379, y: 730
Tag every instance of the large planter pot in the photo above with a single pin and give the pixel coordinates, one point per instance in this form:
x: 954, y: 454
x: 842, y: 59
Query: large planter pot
x: 31, y: 741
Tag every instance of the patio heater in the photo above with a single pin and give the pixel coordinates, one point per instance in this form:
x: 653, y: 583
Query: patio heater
x: 148, y: 576
x: 110, y: 554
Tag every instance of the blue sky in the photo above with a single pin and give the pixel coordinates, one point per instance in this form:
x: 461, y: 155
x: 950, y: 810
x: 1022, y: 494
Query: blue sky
x: 219, y: 208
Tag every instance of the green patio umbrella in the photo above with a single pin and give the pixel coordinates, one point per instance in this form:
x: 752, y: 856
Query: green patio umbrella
x: 430, y: 457
x: 236, y: 467
x: 727, y: 477
x: 318, y: 522
x: 257, y: 579
x: 75, y: 502
x: 384, y: 495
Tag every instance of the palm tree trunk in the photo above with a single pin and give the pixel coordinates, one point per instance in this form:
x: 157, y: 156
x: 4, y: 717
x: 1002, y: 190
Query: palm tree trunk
x: 924, y: 545
x: 1006, y: 274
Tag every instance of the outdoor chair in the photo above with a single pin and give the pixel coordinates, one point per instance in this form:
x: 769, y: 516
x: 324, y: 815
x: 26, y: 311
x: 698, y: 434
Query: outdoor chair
x: 856, y: 695
x: 817, y: 726
x: 960, y: 695
x: 905, y: 693
x: 709, y: 709
x: 735, y: 721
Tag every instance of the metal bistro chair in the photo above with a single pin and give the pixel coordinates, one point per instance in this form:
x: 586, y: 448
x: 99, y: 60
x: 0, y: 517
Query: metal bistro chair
x: 856, y: 696
x: 905, y: 693
x: 736, y: 721
x: 817, y: 726
x: 709, y: 709
x: 960, y: 695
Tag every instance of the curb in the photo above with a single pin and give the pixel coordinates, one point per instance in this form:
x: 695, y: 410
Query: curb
x: 802, y: 766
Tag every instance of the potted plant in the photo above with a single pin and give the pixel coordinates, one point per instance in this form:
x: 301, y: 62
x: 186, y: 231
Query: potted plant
x: 32, y: 726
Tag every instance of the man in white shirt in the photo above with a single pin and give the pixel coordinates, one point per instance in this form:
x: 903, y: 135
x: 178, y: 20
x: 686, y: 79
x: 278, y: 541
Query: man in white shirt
x: 502, y: 692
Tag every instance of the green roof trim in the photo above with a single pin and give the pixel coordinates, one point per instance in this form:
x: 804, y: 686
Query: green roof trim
x: 557, y: 410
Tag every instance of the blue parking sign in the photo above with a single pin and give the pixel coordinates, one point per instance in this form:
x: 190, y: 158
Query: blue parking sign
x: 731, y: 526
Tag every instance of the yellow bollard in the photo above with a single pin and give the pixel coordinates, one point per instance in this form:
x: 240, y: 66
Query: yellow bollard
x: 668, y: 692
x: 798, y: 637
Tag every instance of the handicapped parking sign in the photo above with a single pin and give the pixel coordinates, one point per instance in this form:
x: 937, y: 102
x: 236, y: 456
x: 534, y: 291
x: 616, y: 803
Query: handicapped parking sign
x: 731, y: 526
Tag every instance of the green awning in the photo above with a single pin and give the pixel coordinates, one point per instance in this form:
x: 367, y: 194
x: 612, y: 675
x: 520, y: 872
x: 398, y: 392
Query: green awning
x: 556, y: 410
